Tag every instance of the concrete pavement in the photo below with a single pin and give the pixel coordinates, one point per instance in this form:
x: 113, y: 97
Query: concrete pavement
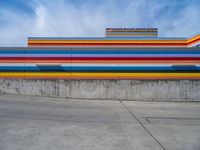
x: 32, y: 123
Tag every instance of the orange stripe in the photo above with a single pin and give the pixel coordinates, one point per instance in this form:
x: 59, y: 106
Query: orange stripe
x: 109, y: 44
x: 101, y: 77
x: 99, y: 46
x: 160, y: 41
x: 155, y: 42
x: 194, y: 42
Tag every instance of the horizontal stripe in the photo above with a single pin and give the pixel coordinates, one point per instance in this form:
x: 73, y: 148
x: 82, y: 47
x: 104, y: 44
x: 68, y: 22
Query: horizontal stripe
x: 97, y: 55
x: 92, y: 64
x: 113, y: 45
x: 106, y: 38
x: 108, y: 46
x: 110, y: 41
x: 57, y: 53
x: 101, y: 75
x: 99, y: 68
x: 88, y: 64
x: 104, y: 77
x: 107, y: 42
x: 25, y: 50
x: 104, y: 61
x: 100, y: 58
x: 95, y: 65
x: 93, y: 51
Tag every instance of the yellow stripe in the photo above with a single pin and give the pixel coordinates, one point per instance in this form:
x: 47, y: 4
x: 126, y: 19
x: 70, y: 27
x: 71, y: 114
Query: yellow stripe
x: 194, y: 38
x: 89, y: 74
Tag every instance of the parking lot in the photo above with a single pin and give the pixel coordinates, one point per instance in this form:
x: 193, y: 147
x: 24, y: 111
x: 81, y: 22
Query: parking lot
x: 32, y: 123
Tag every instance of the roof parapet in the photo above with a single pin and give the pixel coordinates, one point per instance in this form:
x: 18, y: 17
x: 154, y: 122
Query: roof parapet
x: 132, y: 32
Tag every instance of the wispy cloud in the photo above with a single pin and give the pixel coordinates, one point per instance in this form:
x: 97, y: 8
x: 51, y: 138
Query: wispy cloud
x: 86, y: 18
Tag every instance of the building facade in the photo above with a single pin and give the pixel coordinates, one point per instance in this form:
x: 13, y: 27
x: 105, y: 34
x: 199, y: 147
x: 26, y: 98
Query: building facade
x: 124, y: 53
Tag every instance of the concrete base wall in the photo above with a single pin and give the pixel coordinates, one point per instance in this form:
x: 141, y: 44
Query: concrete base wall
x: 161, y: 90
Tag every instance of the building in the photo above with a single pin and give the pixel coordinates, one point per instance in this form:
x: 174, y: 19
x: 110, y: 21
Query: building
x: 124, y: 53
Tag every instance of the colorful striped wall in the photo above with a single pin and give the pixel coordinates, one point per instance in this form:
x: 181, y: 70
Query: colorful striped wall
x: 125, y: 53
x: 99, y: 63
x: 115, y: 42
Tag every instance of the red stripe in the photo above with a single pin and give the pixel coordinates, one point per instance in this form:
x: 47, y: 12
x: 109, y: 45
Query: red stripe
x: 192, y: 42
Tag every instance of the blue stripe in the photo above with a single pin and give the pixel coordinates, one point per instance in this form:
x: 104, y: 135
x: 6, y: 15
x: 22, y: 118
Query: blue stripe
x: 95, y: 52
x: 99, y: 55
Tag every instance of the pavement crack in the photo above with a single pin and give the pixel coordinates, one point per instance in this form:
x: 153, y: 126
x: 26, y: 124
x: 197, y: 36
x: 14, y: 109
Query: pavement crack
x: 147, y: 120
x: 135, y: 117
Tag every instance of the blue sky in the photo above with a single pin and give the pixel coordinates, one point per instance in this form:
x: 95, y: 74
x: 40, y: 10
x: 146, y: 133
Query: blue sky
x: 22, y: 18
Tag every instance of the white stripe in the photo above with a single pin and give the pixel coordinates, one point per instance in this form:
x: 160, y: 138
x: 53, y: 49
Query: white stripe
x: 97, y: 65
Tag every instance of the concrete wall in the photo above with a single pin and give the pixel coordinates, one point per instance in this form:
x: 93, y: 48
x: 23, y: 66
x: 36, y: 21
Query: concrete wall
x: 162, y: 90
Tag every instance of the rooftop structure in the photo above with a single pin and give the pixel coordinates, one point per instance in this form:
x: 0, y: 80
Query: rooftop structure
x: 131, y: 32
x: 119, y: 37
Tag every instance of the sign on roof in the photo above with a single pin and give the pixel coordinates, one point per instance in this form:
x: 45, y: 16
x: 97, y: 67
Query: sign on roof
x: 131, y: 29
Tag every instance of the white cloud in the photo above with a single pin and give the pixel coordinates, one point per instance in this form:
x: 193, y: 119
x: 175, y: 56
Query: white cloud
x: 40, y: 16
x: 61, y: 18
